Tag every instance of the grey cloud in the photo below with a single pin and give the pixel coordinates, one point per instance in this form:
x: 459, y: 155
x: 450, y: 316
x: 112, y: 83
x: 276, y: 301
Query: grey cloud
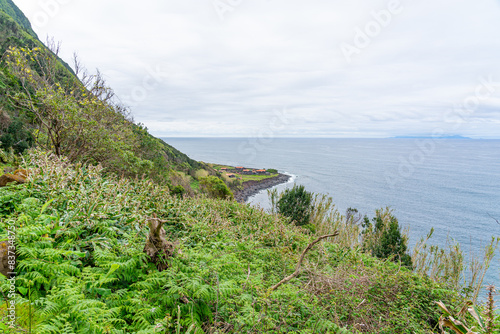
x: 226, y: 77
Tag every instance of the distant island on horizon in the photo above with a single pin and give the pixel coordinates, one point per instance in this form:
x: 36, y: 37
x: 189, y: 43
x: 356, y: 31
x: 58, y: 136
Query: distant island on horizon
x: 433, y: 137
x: 396, y: 137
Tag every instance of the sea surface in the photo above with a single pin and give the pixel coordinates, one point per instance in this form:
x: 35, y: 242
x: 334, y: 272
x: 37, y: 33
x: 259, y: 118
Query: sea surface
x: 451, y: 185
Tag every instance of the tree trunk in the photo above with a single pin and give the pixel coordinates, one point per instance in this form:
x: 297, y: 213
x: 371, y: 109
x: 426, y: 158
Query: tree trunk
x: 157, y: 248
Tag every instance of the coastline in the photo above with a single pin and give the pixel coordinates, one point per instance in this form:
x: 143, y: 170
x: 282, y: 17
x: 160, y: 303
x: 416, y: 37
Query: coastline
x: 251, y: 188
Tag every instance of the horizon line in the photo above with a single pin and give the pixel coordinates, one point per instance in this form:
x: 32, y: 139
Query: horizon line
x: 396, y: 137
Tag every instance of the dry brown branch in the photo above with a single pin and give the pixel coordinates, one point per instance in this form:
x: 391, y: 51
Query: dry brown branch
x: 299, y: 264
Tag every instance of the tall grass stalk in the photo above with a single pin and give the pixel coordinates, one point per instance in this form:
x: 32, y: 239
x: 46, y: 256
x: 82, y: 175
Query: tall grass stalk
x: 327, y: 220
x: 478, y: 268
x: 447, y: 265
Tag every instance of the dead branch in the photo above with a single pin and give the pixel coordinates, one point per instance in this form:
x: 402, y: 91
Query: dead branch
x: 297, y: 268
x: 77, y: 64
x: 494, y: 218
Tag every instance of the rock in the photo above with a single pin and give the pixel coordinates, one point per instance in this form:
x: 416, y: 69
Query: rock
x: 22, y: 172
x: 9, y: 178
x: 251, y: 188
x: 19, y: 176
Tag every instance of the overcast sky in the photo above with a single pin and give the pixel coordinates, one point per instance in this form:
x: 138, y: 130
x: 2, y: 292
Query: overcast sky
x: 282, y: 68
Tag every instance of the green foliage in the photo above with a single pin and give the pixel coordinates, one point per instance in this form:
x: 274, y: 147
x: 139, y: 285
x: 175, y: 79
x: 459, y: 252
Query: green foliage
x: 16, y: 136
x: 80, y: 124
x: 80, y: 239
x: 215, y: 188
x: 296, y: 203
x: 81, y: 121
x: 484, y: 319
x: 389, y: 298
x: 9, y: 158
x: 384, y: 239
x: 163, y: 156
x: 178, y: 191
x: 10, y: 8
x: 74, y: 118
x: 446, y: 264
x: 235, y: 184
x: 272, y: 171
x: 81, y: 230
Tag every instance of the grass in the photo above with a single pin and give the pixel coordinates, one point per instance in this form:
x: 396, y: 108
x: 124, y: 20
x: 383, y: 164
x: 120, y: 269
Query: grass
x: 3, y: 167
x: 245, y: 178
x: 195, y: 185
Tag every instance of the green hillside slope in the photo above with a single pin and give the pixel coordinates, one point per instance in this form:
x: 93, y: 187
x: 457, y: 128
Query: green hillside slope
x: 81, y: 237
x: 139, y: 152
x: 15, y: 13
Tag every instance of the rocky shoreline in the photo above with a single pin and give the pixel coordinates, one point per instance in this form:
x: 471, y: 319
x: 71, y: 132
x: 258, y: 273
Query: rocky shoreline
x: 251, y: 188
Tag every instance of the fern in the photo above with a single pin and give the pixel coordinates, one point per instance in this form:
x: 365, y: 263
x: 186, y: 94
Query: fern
x: 58, y: 325
x: 80, y: 239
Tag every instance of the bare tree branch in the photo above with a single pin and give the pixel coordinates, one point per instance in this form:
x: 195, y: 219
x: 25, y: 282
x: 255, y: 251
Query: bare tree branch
x: 297, y: 268
x: 77, y: 64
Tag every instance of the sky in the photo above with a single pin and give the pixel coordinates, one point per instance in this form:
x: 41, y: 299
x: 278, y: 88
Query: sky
x: 289, y: 68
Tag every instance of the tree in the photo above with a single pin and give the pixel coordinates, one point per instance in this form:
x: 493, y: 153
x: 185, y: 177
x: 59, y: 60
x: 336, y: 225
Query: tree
x: 74, y: 118
x: 178, y: 191
x: 215, y: 188
x: 296, y: 203
x: 15, y: 135
x: 353, y: 216
x: 384, y: 238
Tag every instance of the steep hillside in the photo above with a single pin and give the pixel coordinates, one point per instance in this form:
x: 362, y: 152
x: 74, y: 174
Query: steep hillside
x: 13, y: 35
x: 15, y: 13
x: 121, y: 145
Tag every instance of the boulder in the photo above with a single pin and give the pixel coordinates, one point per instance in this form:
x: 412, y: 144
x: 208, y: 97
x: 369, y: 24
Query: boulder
x: 10, y: 178
x: 19, y: 176
x: 22, y: 172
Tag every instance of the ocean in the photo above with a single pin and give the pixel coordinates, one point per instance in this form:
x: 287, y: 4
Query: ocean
x: 451, y: 185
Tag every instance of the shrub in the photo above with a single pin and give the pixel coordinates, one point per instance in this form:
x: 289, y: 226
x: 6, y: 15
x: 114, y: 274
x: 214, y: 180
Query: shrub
x: 79, y: 121
x: 384, y: 239
x: 16, y: 136
x: 178, y: 191
x: 215, y: 188
x: 296, y: 203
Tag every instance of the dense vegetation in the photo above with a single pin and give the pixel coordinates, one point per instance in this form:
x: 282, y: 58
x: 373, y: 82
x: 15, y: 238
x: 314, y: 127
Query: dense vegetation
x: 383, y: 238
x: 9, y: 8
x: 296, y: 203
x: 97, y: 185
x: 43, y: 103
x: 81, y: 234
